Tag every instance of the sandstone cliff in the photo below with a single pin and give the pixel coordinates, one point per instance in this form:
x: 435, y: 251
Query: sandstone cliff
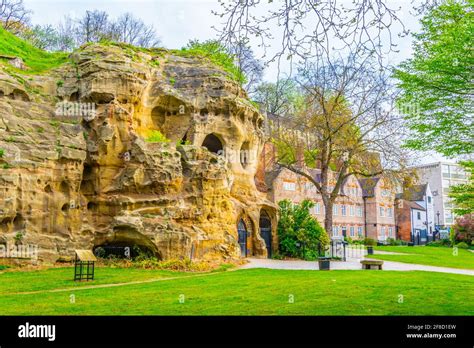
x: 80, y: 178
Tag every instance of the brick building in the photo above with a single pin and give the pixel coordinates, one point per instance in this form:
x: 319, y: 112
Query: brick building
x: 358, y: 212
x: 415, y: 214
x: 363, y: 208
x: 379, y: 198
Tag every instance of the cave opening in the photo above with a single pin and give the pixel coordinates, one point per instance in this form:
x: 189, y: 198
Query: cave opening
x: 123, y: 250
x: 213, y: 144
x: 126, y: 243
x: 245, y: 154
x: 18, y: 222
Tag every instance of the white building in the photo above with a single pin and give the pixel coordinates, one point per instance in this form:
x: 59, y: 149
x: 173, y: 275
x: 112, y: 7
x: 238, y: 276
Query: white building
x: 441, y: 176
x: 418, y: 227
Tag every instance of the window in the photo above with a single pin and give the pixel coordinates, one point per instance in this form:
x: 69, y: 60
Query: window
x: 448, y: 205
x: 343, y: 210
x: 418, y: 215
x: 289, y: 186
x: 317, y: 208
x: 334, y: 209
x: 359, y: 210
x: 390, y: 212
x: 335, y: 231
x: 429, y: 199
x: 352, y: 231
x: 359, y: 231
x: 382, y: 211
x: 390, y: 232
x: 351, y: 210
x: 382, y: 232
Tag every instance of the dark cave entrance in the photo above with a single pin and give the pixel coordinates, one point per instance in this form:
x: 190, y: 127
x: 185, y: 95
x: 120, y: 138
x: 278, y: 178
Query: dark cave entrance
x: 213, y: 144
x: 126, y: 243
x: 123, y: 250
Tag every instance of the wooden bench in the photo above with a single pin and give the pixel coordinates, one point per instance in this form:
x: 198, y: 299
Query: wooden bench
x: 371, y: 264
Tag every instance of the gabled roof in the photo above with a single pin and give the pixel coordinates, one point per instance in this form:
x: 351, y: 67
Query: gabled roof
x: 271, y: 175
x: 315, y: 174
x: 415, y: 205
x: 414, y: 193
x: 368, y: 186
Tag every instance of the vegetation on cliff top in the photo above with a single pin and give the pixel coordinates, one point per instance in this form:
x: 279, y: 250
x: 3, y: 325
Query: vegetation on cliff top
x: 217, y: 54
x: 38, y: 60
x: 35, y: 59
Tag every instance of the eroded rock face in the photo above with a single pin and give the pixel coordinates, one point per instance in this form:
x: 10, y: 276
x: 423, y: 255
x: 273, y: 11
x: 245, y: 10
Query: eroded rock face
x: 76, y: 182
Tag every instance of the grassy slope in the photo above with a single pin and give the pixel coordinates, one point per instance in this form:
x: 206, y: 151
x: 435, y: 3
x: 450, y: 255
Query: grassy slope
x: 37, y: 60
x: 263, y: 292
x: 432, y: 256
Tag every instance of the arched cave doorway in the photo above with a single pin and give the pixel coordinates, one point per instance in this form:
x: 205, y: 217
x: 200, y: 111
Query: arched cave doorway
x: 126, y: 242
x: 245, y: 154
x: 242, y: 231
x: 265, y: 225
x: 213, y: 144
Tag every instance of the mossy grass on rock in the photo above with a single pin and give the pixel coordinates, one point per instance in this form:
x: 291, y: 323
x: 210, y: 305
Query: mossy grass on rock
x: 36, y: 60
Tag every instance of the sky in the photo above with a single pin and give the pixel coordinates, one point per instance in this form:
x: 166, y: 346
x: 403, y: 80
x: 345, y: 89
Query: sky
x: 178, y: 21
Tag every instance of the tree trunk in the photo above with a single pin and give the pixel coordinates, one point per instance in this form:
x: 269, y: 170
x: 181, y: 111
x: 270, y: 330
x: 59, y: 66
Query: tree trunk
x: 328, y: 204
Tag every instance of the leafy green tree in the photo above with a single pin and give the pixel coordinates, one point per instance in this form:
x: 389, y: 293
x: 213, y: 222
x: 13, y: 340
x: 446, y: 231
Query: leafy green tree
x: 463, y: 195
x: 44, y: 37
x: 436, y: 83
x: 299, y: 233
x: 280, y: 98
x: 341, y: 129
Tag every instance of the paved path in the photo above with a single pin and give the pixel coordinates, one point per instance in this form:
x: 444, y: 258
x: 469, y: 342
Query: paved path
x: 350, y: 264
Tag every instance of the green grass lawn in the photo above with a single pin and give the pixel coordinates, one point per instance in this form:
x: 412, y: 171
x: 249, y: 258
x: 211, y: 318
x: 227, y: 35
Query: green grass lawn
x: 432, y: 256
x: 244, y: 292
x: 60, y: 278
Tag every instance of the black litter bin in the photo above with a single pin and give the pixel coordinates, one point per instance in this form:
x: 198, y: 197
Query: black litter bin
x: 410, y: 243
x: 324, y: 263
x: 370, y: 250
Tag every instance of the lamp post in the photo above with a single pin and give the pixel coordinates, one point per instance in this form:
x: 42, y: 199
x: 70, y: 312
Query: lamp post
x: 437, y: 226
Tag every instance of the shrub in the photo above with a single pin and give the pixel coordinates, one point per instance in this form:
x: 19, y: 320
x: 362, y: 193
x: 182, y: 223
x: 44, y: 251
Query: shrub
x: 2, y: 152
x: 357, y: 241
x: 370, y: 241
x: 185, y: 265
x: 463, y: 230
x: 156, y: 136
x: 462, y: 245
x: 299, y: 233
x: 349, y: 240
x: 440, y: 243
x: 395, y: 242
x: 277, y: 256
